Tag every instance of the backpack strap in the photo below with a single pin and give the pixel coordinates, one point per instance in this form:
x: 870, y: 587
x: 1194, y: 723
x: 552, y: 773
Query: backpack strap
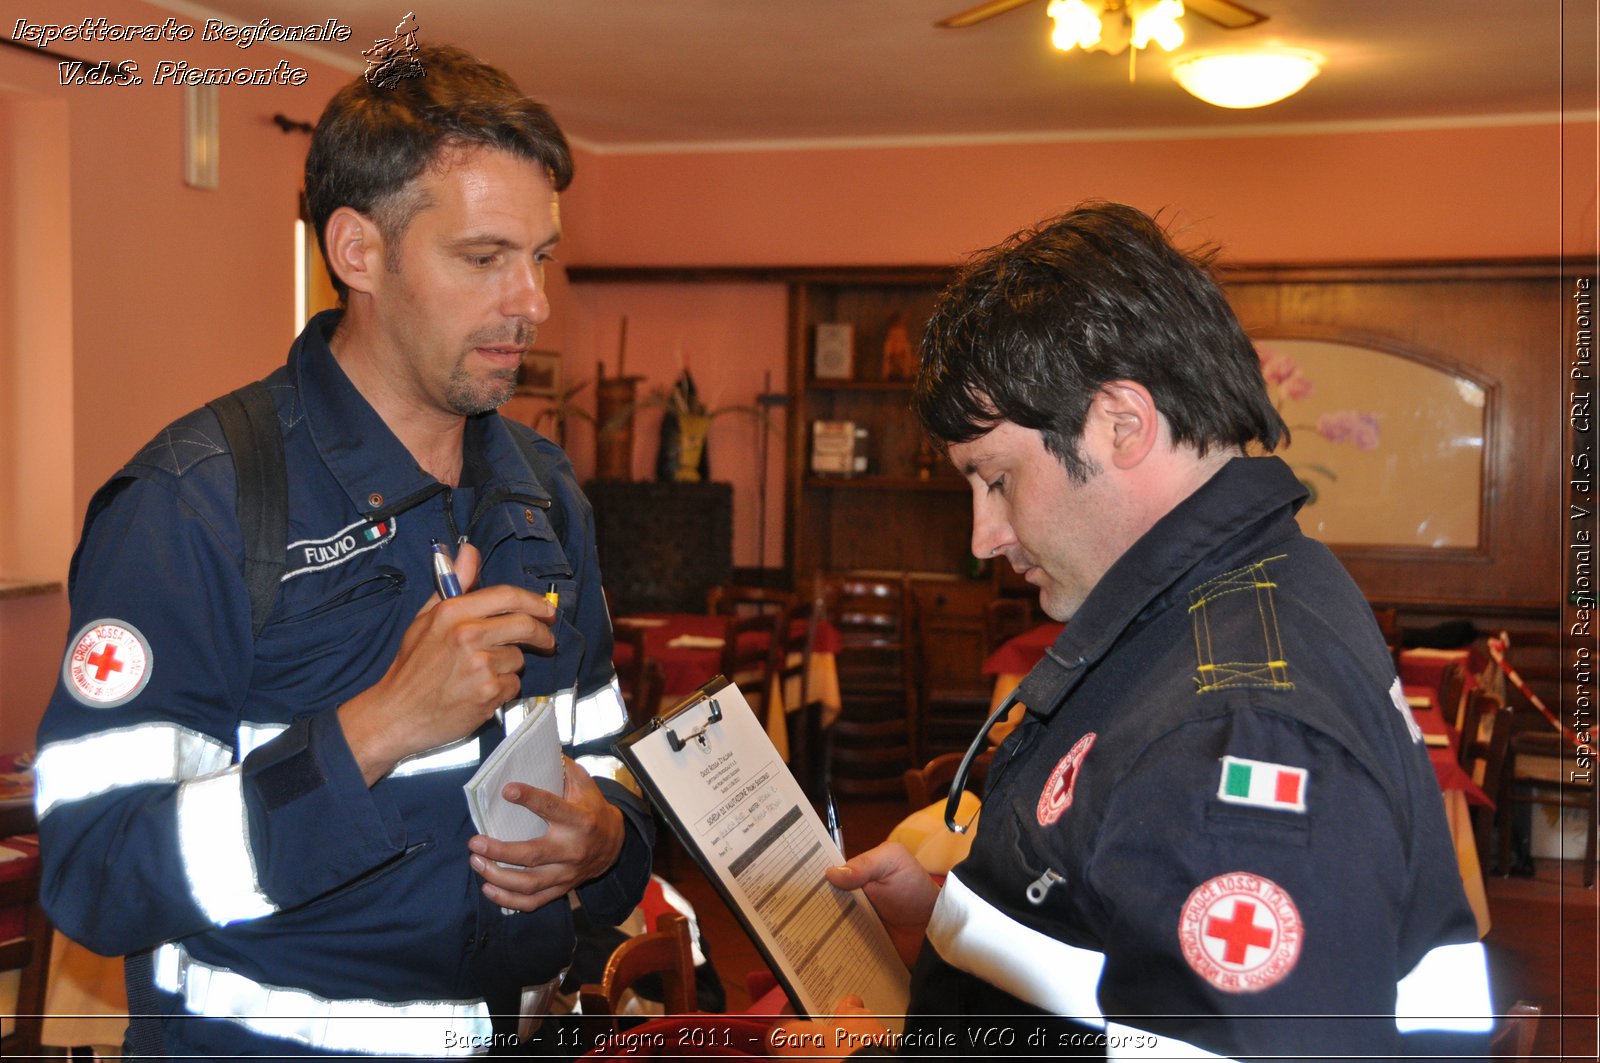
x: 250, y: 425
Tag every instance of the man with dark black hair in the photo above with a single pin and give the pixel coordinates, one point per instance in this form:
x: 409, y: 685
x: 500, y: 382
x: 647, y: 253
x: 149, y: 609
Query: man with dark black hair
x: 271, y: 823
x: 1215, y: 829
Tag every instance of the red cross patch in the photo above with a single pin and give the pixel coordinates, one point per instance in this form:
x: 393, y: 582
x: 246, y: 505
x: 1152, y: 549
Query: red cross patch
x: 108, y: 664
x: 1057, y: 795
x: 1240, y: 932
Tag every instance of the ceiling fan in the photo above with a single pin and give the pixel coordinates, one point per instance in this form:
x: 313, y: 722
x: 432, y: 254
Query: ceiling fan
x: 1225, y: 13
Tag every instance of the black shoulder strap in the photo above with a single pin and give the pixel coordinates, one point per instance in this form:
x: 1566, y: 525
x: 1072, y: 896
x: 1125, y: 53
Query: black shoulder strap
x: 250, y: 425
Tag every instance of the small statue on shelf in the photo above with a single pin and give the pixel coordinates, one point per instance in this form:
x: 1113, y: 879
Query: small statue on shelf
x: 899, y: 357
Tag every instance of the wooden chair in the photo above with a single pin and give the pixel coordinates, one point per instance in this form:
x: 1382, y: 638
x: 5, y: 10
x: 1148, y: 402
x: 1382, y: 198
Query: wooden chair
x: 1452, y: 693
x: 879, y: 733
x: 1490, y: 749
x: 29, y: 954
x: 732, y: 599
x: 1541, y: 770
x: 747, y: 657
x: 1513, y: 1039
x: 931, y: 782
x: 666, y: 951
x: 630, y: 673
x: 791, y: 671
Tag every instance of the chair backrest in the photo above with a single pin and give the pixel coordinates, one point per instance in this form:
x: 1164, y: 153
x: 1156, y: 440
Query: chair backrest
x: 791, y: 672
x: 666, y: 951
x: 929, y: 783
x: 733, y: 599
x: 1481, y: 706
x: 747, y: 655
x: 1513, y: 1038
x: 878, y: 621
x: 1452, y: 693
x: 29, y: 954
x: 630, y: 666
x: 882, y: 681
x: 647, y: 697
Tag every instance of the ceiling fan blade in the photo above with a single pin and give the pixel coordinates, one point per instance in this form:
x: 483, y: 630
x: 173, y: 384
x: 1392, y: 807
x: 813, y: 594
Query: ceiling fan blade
x: 1225, y: 13
x: 974, y: 15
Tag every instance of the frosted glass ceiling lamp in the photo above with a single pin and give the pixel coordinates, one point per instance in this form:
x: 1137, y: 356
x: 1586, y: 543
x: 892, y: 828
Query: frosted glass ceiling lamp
x: 1246, y: 79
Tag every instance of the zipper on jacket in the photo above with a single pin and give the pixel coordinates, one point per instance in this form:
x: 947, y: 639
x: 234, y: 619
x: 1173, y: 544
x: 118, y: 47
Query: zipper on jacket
x: 1040, y: 887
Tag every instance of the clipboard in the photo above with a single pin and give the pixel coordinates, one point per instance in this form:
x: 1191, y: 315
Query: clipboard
x: 709, y: 767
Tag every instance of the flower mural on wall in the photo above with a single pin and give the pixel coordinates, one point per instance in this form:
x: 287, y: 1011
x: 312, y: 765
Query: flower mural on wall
x: 1288, y: 383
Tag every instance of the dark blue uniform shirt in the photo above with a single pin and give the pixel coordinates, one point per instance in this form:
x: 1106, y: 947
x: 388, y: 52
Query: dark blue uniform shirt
x: 195, y: 789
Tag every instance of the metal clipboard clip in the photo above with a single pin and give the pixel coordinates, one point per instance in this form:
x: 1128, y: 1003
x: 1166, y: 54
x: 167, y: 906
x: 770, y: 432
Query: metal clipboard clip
x: 678, y: 742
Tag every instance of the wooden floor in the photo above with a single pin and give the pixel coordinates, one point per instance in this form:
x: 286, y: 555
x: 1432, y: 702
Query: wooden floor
x: 1544, y: 946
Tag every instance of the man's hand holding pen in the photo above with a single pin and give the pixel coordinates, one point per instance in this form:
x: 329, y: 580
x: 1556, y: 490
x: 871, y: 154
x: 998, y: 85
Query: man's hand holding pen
x: 458, y: 662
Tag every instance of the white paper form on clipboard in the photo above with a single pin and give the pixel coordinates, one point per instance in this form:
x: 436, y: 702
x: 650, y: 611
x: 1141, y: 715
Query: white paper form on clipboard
x: 710, y: 767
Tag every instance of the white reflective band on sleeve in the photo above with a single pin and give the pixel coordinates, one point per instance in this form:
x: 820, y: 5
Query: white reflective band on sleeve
x: 420, y: 1027
x: 127, y: 756
x: 594, y: 716
x: 214, y: 844
x: 462, y: 754
x: 600, y: 767
x: 971, y: 934
x: 1130, y: 1042
x: 1447, y: 990
x: 252, y: 736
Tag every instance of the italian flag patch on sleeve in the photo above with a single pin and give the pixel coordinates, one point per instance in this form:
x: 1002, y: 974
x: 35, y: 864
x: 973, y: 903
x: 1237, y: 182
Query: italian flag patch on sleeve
x: 1263, y: 785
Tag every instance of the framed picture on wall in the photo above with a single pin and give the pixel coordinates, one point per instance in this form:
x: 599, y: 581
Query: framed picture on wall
x: 540, y: 375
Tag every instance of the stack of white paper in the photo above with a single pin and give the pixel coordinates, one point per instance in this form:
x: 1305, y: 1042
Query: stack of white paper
x: 530, y: 755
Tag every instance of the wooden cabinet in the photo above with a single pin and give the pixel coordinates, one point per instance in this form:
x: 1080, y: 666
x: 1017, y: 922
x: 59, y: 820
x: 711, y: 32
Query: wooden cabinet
x: 906, y: 510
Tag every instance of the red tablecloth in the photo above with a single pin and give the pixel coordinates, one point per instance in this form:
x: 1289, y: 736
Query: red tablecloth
x: 687, y: 667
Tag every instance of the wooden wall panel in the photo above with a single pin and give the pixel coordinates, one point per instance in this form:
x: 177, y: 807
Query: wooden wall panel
x: 1501, y: 325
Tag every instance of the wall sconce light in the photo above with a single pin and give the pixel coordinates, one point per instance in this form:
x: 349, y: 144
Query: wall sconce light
x: 1246, y: 79
x: 201, y: 138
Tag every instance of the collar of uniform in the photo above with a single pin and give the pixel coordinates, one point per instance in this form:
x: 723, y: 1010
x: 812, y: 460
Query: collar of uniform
x: 370, y: 462
x: 366, y: 458
x: 503, y: 477
x: 1209, y: 525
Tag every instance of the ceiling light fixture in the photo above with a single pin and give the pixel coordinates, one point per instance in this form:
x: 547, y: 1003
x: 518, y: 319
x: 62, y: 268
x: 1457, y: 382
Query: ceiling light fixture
x: 1246, y: 79
x: 1111, y: 25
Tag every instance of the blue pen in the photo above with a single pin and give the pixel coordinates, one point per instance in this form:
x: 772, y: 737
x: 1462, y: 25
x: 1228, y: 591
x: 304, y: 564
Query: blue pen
x: 444, y: 573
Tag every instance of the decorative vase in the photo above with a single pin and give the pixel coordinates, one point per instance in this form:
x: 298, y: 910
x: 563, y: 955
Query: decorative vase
x: 614, y: 400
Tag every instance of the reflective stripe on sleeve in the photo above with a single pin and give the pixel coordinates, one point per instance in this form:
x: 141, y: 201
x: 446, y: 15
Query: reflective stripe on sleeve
x: 81, y: 768
x: 1447, y: 990
x: 419, y: 1027
x: 460, y: 754
x: 600, y: 767
x: 594, y: 716
x: 971, y: 934
x: 214, y: 845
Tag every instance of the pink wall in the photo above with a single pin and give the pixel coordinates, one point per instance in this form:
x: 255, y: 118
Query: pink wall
x: 1489, y: 191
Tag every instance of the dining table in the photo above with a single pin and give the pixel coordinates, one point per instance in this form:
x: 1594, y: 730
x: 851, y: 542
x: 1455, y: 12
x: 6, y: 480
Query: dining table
x: 923, y: 831
x: 689, y: 648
